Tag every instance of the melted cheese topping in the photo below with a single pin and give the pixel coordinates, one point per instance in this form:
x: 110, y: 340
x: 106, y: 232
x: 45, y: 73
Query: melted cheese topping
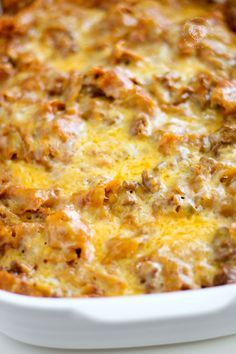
x: 117, y: 146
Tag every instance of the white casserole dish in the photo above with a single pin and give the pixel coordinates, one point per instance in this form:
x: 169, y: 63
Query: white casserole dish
x: 120, y: 321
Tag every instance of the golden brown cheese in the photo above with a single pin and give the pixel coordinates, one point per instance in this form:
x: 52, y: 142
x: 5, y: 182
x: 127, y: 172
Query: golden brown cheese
x: 117, y: 146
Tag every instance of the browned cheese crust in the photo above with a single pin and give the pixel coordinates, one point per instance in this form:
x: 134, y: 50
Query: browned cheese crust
x: 117, y: 146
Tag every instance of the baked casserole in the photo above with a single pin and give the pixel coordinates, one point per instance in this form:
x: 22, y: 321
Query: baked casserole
x: 117, y: 146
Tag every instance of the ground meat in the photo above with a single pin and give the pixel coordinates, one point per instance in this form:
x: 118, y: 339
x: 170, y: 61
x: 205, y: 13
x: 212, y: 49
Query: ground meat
x: 6, y: 68
x: 54, y: 85
x: 13, y: 6
x: 174, y: 266
x: 110, y: 83
x: 150, y: 274
x: 126, y: 202
x: 122, y: 55
x: 12, y: 144
x: 12, y: 233
x: 224, y: 96
x: 228, y: 205
x: 98, y: 196
x: 72, y: 86
x: 207, y: 166
x: 227, y: 275
x: 49, y: 136
x: 133, y: 23
x: 150, y: 182
x: 127, y: 194
x: 117, y: 84
x: 212, y: 181
x: 20, y: 267
x: 165, y: 275
x: 9, y: 27
x: 170, y: 91
x: 230, y: 14
x: 169, y: 142
x: 50, y: 84
x: 223, y: 245
x: 61, y: 39
x: 174, y: 202
x: 203, y: 172
x: 225, y: 136
x: 131, y: 186
x: 94, y: 198
x: 6, y: 236
x: 7, y: 216
x: 95, y: 3
x: 202, y: 86
x: 66, y: 124
x: 141, y: 126
x: 99, y: 110
x: 228, y: 134
x: 228, y: 179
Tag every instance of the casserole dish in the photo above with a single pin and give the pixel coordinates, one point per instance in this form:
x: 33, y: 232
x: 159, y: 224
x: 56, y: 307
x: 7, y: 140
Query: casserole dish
x: 121, y: 321
x: 117, y: 171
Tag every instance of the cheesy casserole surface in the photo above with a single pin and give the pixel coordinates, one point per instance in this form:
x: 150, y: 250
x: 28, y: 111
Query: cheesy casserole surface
x: 117, y: 146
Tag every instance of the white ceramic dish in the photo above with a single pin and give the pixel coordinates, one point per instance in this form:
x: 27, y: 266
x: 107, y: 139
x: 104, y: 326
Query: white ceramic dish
x: 120, y: 321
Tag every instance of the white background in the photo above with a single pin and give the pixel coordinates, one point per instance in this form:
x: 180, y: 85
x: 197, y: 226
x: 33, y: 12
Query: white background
x: 225, y: 345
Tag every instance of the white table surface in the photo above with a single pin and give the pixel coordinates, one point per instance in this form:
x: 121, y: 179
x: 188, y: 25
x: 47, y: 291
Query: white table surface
x: 225, y: 345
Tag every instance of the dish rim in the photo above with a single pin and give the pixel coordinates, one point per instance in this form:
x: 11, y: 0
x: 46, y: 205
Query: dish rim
x: 196, y: 302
